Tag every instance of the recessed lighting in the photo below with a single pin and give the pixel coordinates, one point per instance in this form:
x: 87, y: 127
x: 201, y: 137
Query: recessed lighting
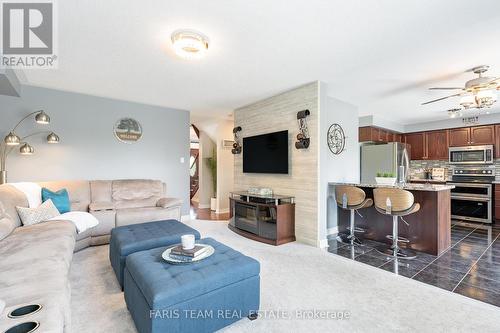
x: 189, y: 44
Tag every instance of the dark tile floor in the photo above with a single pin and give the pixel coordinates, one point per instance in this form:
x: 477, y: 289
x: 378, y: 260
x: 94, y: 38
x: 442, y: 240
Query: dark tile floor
x: 471, y: 266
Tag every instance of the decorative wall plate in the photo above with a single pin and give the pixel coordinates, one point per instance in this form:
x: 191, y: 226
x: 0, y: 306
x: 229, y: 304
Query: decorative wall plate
x: 335, y: 139
x: 128, y: 130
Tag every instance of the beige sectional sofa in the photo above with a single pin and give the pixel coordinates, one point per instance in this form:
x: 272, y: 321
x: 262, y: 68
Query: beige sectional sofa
x: 35, y: 260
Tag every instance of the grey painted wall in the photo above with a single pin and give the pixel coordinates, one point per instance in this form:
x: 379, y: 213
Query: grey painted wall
x: 88, y: 148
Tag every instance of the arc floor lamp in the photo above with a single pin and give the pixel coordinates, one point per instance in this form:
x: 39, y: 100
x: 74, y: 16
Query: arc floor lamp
x: 12, y: 140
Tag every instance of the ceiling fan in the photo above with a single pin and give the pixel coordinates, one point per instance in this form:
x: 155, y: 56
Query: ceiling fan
x: 477, y: 93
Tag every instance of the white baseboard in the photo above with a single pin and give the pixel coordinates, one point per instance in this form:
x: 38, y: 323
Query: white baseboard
x: 203, y: 206
x: 332, y: 231
x: 185, y: 218
x: 222, y: 211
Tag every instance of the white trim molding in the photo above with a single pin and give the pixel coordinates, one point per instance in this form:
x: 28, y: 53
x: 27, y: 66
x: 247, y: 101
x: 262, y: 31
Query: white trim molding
x: 332, y: 231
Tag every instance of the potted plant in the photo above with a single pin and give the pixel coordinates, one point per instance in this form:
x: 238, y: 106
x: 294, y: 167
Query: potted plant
x: 385, y: 178
x: 212, y: 165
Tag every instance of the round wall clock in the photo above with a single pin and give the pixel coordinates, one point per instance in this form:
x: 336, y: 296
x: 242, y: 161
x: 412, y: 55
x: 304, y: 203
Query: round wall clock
x: 335, y: 139
x: 128, y: 130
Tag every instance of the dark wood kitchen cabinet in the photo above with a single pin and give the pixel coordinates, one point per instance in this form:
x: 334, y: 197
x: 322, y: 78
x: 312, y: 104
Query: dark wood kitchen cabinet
x: 436, y: 145
x: 374, y: 134
x: 482, y: 135
x: 497, y: 202
x: 417, y: 143
x: 497, y: 142
x: 367, y: 134
x: 459, y: 137
x: 478, y: 135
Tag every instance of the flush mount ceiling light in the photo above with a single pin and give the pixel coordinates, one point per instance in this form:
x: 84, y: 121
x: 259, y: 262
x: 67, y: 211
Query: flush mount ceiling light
x: 189, y: 44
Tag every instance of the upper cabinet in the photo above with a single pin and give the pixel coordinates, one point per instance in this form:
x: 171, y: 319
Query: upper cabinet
x: 459, y: 137
x: 374, y: 134
x: 436, y: 143
x: 428, y: 145
x: 482, y: 135
x: 417, y: 145
x: 479, y: 135
x: 433, y: 145
x: 497, y: 146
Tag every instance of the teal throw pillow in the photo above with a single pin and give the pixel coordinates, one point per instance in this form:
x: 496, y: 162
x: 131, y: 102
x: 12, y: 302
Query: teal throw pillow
x: 59, y: 198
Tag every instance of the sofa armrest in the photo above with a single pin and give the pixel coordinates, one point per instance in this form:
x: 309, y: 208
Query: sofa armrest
x: 168, y: 202
x: 97, y: 206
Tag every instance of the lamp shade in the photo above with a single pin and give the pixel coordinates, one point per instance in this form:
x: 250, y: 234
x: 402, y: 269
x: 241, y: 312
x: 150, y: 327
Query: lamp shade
x: 26, y: 149
x: 42, y: 118
x: 52, y: 138
x: 12, y: 139
x: 467, y: 101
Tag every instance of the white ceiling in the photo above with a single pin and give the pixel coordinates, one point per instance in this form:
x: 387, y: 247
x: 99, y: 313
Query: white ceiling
x: 379, y: 55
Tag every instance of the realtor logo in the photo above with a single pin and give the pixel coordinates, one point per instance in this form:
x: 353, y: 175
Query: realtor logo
x: 28, y: 34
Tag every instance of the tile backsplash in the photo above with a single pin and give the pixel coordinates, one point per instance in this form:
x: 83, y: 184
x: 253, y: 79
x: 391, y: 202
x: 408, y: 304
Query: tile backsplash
x: 417, y: 167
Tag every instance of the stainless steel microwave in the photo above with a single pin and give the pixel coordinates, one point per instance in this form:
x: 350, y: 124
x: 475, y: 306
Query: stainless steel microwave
x: 471, y: 155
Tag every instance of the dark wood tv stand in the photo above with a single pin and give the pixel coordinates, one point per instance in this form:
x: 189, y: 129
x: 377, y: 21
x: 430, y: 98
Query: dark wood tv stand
x: 267, y: 219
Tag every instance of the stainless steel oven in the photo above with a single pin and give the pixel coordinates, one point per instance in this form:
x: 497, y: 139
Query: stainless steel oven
x: 471, y: 155
x: 472, y: 197
x: 471, y: 202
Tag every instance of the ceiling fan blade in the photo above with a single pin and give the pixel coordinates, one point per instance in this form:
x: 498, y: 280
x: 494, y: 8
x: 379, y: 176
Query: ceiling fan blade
x: 440, y: 99
x: 445, y: 88
x: 494, y: 80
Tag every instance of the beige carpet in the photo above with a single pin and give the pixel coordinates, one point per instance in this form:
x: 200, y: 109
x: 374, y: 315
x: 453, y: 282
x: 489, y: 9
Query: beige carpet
x: 295, y: 277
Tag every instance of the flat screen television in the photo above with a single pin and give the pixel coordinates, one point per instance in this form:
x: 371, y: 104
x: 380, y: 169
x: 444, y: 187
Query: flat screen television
x: 266, y: 153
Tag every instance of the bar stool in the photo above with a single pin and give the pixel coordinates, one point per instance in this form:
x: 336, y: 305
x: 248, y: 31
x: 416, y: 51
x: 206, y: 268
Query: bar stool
x: 397, y: 203
x: 351, y: 198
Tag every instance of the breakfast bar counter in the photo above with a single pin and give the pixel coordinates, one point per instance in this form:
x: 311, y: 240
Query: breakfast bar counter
x: 429, y: 229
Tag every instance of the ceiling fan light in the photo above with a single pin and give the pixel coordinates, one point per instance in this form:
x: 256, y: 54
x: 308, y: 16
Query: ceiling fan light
x: 454, y: 113
x: 467, y: 101
x: 189, y: 44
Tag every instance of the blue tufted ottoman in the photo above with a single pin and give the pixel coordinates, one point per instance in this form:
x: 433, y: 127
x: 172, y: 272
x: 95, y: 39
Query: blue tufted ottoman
x: 144, y: 236
x: 198, y: 297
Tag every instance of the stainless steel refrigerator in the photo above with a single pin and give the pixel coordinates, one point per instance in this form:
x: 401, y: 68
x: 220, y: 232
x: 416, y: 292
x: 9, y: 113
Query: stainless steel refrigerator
x: 391, y: 157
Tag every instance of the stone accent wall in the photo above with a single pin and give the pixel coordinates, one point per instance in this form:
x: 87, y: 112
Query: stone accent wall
x: 279, y: 113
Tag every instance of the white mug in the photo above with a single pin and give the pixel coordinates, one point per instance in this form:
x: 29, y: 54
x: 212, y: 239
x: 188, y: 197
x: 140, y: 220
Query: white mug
x: 187, y: 241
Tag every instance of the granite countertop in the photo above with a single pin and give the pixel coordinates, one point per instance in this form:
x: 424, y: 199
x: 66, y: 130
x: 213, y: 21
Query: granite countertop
x: 408, y: 186
x: 428, y: 180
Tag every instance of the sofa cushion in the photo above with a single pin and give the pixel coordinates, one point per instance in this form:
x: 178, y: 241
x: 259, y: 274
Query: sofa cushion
x: 42, y: 213
x: 36, y: 261
x: 7, y: 225
x: 11, y: 198
x: 134, y: 193
x: 168, y: 202
x: 100, y: 191
x: 96, y: 206
x: 147, y: 214
x: 78, y: 191
x: 60, y: 199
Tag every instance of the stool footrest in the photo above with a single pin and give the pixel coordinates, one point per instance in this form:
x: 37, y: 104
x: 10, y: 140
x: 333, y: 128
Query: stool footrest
x: 400, y: 239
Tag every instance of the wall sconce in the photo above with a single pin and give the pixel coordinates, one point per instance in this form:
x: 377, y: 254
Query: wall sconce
x: 303, y: 137
x: 236, y: 145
